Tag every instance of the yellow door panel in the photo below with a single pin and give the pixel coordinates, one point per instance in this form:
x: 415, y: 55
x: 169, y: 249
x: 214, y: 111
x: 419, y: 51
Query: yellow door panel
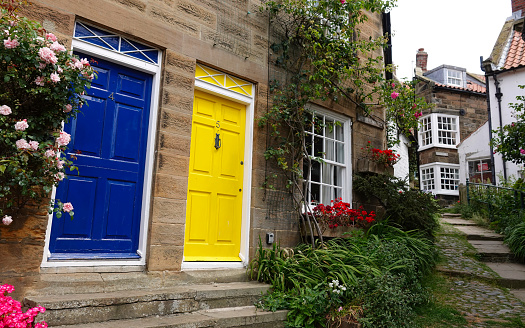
x: 215, y: 182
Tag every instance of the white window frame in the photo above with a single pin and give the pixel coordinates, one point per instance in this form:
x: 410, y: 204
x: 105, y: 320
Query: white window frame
x: 438, y: 187
x: 432, y: 135
x: 454, y: 80
x: 347, y: 165
x: 480, y: 161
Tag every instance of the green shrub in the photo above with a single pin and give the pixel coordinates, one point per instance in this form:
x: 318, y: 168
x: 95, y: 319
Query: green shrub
x: 406, y: 208
x: 516, y: 240
x: 385, y: 265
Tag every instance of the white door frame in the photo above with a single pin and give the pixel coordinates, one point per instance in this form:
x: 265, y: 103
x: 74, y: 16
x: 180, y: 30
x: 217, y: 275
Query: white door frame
x: 155, y: 71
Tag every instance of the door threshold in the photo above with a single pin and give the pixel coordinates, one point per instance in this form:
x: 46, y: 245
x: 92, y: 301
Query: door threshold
x: 188, y: 266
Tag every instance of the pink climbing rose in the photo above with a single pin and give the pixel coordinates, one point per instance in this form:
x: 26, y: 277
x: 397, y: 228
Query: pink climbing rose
x: 11, y: 44
x: 522, y: 151
x: 47, y: 55
x: 33, y: 144
x: 7, y: 220
x: 39, y: 81
x: 21, y: 125
x: 54, y: 77
x: 57, y: 47
x: 51, y: 36
x: 68, y: 108
x: 22, y: 144
x: 50, y: 153
x: 64, y: 139
x: 67, y: 207
x: 5, y: 110
x: 394, y: 95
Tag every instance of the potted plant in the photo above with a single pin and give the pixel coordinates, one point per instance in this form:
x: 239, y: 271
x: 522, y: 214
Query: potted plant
x: 339, y: 217
x: 378, y: 160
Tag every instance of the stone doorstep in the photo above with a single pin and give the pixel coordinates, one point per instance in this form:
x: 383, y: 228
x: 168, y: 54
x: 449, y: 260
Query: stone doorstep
x: 451, y: 215
x: 100, y: 282
x: 519, y: 293
x: 93, y: 307
x: 247, y: 316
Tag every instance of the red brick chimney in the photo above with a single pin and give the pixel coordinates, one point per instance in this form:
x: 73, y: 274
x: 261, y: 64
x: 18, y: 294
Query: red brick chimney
x: 518, y: 5
x: 422, y: 56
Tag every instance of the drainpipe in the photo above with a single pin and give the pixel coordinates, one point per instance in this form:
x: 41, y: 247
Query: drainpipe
x: 488, y: 72
x: 498, y: 96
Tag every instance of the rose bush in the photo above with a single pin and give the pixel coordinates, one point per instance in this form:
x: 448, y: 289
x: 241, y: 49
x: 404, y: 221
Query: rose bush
x: 41, y: 86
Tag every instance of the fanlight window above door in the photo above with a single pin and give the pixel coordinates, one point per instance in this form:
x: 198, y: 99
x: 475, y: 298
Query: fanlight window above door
x: 115, y: 42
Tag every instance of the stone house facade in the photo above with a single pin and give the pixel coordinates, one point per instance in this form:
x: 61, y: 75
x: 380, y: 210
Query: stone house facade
x: 460, y: 108
x: 184, y: 83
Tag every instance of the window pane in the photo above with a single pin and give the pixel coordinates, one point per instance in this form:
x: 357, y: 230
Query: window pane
x: 318, y: 147
x: 329, y: 128
x: 329, y: 150
x: 339, y: 132
x: 316, y: 172
x: 340, y: 153
x: 315, y: 191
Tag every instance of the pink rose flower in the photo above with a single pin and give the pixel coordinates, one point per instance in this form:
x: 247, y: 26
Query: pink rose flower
x: 21, y: 125
x: 78, y: 65
x: 343, y: 2
x: 7, y: 220
x: 60, y: 176
x: 54, y: 77
x: 11, y: 44
x: 33, y: 144
x: 394, y: 95
x: 39, y: 81
x: 393, y: 85
x: 57, y: 47
x: 59, y: 70
x: 47, y: 55
x: 64, y: 139
x: 22, y: 144
x: 50, y: 153
x: 5, y: 110
x: 68, y: 108
x: 42, y: 65
x: 60, y: 164
x: 51, y: 36
x: 522, y: 151
x: 84, y: 62
x: 67, y: 207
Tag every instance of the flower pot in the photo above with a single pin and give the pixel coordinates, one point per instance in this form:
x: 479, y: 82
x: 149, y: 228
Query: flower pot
x: 365, y: 165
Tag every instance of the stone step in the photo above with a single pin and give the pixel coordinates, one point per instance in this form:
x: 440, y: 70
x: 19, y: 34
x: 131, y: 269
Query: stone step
x: 492, y: 251
x: 512, y: 274
x: 247, y: 316
x: 479, y: 233
x: 519, y: 293
x: 458, y: 222
x: 451, y: 215
x: 72, y: 309
x: 103, y: 282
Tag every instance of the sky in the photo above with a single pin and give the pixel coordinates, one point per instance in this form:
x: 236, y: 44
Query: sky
x: 452, y: 32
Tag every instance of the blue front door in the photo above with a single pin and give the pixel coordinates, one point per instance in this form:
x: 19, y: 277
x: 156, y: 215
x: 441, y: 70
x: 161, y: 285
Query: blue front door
x: 109, y: 141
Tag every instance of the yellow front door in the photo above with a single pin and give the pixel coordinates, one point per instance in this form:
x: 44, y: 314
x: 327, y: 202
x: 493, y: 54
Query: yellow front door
x: 214, y: 206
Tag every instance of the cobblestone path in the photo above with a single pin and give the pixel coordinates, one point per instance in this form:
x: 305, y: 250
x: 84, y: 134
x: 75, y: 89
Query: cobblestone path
x: 474, y: 291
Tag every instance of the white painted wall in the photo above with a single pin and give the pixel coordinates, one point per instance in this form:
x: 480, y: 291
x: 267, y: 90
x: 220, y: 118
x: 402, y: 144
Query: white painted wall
x: 509, y: 82
x: 401, y: 168
x: 475, y: 147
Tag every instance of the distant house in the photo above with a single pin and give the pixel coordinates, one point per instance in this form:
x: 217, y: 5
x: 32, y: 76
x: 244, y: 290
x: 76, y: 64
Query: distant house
x: 460, y: 109
x: 505, y: 71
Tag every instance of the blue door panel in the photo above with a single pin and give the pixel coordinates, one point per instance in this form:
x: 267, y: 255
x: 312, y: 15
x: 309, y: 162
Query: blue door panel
x: 121, y: 199
x: 87, y: 137
x: 131, y: 86
x: 109, y: 142
x: 82, y: 194
x: 127, y: 137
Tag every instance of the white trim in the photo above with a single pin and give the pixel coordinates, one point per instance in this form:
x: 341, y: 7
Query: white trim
x: 434, y: 132
x: 188, y: 266
x: 247, y: 176
x: 437, y: 177
x: 347, y: 132
x: 155, y: 71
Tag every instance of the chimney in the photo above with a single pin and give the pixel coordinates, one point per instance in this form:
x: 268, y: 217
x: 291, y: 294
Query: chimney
x: 518, y: 5
x: 422, y: 56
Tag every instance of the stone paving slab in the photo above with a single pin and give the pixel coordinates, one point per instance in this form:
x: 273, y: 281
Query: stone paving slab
x: 479, y: 233
x: 457, y: 221
x: 519, y: 293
